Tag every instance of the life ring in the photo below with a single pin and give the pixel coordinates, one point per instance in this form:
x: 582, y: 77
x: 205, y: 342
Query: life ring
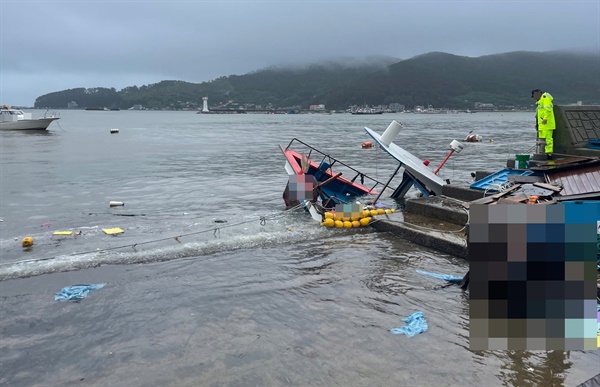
x: 367, y: 145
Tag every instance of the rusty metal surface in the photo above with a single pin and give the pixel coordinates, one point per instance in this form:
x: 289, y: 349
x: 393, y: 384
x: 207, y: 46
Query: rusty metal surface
x: 576, y: 181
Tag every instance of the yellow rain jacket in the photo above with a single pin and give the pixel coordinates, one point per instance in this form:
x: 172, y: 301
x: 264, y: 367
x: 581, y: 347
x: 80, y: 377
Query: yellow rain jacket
x: 545, y: 110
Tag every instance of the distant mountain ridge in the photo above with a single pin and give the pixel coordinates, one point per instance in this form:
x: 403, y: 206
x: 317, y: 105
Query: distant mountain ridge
x: 441, y: 79
x: 437, y: 79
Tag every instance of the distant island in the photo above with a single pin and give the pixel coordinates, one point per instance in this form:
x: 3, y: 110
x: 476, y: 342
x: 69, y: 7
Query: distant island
x: 431, y: 81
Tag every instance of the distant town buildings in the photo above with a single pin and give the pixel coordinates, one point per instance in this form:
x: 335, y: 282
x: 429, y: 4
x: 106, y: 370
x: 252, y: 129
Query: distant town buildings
x: 395, y: 107
x: 485, y: 106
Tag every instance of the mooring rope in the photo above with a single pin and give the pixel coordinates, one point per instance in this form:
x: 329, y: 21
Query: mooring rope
x: 431, y: 228
x: 215, y: 230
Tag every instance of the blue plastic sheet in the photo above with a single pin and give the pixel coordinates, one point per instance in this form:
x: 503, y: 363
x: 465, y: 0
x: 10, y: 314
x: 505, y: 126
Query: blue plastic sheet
x: 76, y: 292
x: 416, y: 324
x: 449, y: 278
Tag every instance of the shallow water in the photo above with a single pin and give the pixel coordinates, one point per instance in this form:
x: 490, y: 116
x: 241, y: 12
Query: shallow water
x: 318, y: 314
x: 179, y: 172
x: 284, y: 303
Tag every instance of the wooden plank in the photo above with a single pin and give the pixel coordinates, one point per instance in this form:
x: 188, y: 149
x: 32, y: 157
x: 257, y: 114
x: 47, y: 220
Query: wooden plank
x: 525, y: 179
x: 484, y: 200
x: 493, y: 198
x: 518, y: 198
x: 548, y: 186
x: 507, y: 191
x: 551, y: 201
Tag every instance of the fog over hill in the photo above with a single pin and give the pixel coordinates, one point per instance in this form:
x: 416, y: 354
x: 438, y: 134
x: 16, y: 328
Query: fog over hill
x: 437, y: 79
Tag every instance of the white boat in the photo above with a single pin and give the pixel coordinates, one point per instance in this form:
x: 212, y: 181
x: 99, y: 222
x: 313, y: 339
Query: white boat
x: 15, y: 119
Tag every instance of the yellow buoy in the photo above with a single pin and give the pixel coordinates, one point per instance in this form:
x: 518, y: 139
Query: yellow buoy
x: 27, y: 242
x: 380, y: 211
x: 329, y: 222
x: 388, y: 211
x: 355, y: 223
x: 339, y: 224
x: 393, y: 210
x: 366, y: 213
x: 347, y: 224
x: 373, y: 212
x: 365, y: 221
x: 328, y: 215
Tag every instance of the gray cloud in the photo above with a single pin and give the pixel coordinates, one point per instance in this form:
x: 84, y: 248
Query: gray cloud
x: 66, y: 44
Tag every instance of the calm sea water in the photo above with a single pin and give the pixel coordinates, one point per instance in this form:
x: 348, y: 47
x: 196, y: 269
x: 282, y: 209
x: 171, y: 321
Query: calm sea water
x: 251, y: 294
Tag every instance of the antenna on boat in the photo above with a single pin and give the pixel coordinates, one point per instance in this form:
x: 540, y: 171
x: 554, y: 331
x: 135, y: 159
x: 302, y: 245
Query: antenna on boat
x: 455, y: 146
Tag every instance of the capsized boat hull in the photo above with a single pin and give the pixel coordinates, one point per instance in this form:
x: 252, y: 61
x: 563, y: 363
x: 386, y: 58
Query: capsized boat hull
x: 410, y: 163
x: 339, y: 187
x: 332, y: 187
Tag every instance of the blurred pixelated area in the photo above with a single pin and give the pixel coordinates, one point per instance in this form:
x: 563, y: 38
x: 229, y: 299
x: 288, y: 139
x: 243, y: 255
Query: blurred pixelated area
x: 351, y: 211
x: 302, y: 187
x: 533, y: 276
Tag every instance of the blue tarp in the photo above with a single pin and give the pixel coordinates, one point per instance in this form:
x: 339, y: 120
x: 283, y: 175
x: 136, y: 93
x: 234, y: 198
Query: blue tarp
x: 449, y: 278
x: 416, y: 324
x: 76, y: 292
x: 497, y: 178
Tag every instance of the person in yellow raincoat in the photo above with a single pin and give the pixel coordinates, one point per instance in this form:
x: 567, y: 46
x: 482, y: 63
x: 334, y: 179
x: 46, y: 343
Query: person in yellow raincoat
x: 545, y: 123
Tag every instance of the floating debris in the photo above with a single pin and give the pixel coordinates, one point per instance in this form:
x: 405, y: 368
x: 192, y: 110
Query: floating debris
x: 27, y: 242
x: 416, y: 324
x: 113, y: 231
x: 76, y: 292
x: 62, y: 233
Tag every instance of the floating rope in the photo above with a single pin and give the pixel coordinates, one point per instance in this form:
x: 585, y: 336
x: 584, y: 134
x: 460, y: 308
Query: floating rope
x: 262, y: 220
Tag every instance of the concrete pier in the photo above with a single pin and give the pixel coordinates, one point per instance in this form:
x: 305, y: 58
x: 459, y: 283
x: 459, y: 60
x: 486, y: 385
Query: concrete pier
x: 439, y: 223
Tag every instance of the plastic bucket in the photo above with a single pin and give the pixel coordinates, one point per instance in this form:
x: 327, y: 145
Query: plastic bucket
x: 522, y: 161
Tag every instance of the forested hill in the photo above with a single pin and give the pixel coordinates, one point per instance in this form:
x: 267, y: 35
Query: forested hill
x: 437, y: 79
x: 441, y: 79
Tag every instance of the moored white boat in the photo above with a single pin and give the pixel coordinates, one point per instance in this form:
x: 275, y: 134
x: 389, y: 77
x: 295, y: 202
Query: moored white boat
x: 16, y: 119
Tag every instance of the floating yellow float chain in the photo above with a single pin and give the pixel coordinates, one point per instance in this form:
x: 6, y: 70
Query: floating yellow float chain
x: 360, y: 219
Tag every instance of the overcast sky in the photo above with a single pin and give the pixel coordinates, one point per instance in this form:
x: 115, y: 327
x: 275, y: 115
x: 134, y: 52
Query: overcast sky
x: 50, y: 45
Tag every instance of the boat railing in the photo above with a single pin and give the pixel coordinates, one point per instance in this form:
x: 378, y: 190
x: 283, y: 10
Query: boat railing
x: 330, y: 160
x: 47, y: 114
